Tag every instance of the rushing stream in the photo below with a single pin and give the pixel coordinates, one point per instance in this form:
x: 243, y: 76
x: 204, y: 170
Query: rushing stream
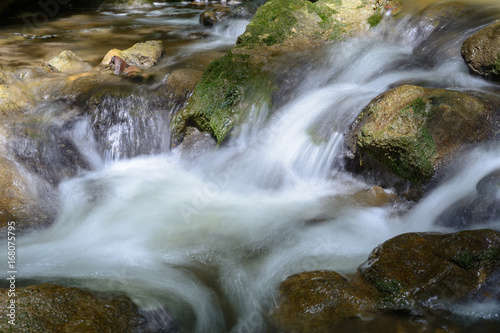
x: 201, y: 244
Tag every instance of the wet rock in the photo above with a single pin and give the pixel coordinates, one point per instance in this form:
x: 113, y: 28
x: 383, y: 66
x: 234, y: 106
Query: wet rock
x: 222, y: 96
x: 481, y: 52
x: 410, y: 132
x: 318, y: 301
x: 68, y: 62
x: 211, y: 17
x: 127, y: 121
x: 143, y: 55
x: 195, y: 143
x: 180, y: 84
x: 53, y: 308
x: 479, y: 208
x: 422, y: 269
x: 25, y: 202
x: 13, y: 100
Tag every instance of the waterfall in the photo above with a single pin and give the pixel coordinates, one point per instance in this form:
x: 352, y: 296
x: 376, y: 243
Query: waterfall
x: 214, y: 235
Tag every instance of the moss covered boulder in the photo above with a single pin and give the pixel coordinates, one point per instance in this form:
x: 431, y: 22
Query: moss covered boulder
x: 53, y: 308
x: 143, y: 55
x: 481, y: 52
x: 411, y: 131
x: 318, y: 301
x: 413, y: 268
x: 246, y: 77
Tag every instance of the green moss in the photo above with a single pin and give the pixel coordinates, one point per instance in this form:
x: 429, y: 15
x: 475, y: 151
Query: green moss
x: 224, y: 85
x: 375, y: 19
x: 274, y: 19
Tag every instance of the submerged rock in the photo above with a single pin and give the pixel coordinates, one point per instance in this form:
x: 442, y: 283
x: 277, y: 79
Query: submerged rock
x: 143, y: 55
x: 412, y: 131
x: 245, y: 76
x: 481, y: 52
x: 53, y: 308
x: 68, y: 62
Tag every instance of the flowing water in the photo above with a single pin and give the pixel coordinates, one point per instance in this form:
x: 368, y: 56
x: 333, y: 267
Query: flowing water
x: 201, y: 244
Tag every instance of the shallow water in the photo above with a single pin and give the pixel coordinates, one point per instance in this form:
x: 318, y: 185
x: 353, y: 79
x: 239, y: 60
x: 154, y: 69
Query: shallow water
x: 211, y: 238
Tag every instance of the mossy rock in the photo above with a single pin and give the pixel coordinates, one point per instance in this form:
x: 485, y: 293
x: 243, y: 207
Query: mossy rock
x: 53, y: 308
x: 412, y: 268
x: 413, y: 131
x: 481, y: 52
x: 318, y: 301
x: 245, y: 77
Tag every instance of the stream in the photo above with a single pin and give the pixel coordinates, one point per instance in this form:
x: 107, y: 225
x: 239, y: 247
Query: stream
x: 201, y: 244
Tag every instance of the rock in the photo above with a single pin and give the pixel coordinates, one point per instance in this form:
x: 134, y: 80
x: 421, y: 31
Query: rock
x: 481, y: 52
x: 412, y: 131
x: 417, y: 269
x: 124, y: 4
x: 53, y: 308
x: 68, y: 62
x: 180, y: 84
x: 405, y: 281
x: 127, y: 121
x: 317, y: 301
x: 196, y: 143
x: 211, y: 17
x: 480, y: 208
x: 245, y: 76
x: 13, y: 100
x: 143, y: 55
x: 25, y: 201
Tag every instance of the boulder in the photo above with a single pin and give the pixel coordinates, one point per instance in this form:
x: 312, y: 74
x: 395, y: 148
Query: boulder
x: 411, y: 281
x: 412, y: 131
x: 317, y: 301
x: 245, y: 76
x: 53, y: 308
x: 68, y: 62
x: 411, y: 269
x: 143, y: 55
x: 481, y: 52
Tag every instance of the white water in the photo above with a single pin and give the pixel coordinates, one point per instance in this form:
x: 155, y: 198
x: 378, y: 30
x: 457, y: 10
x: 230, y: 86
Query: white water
x: 231, y: 225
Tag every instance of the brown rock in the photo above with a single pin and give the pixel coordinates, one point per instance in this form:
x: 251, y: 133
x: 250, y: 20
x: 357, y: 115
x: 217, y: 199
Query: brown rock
x: 412, y: 268
x: 317, y: 301
x: 53, y: 308
x: 481, y: 52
